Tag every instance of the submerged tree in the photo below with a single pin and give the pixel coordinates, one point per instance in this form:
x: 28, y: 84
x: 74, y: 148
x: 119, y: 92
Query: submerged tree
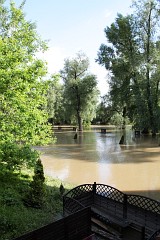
x: 132, y: 56
x: 80, y: 89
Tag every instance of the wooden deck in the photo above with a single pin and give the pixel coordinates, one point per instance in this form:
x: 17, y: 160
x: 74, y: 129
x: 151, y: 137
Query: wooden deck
x: 122, y: 225
x: 116, y: 209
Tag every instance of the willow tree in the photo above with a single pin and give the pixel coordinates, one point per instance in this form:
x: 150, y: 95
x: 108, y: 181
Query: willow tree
x: 55, y: 100
x: 23, y: 116
x: 80, y: 89
x: 132, y: 56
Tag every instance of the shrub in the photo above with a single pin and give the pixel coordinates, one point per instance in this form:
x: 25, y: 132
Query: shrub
x: 36, y: 196
x: 13, y: 156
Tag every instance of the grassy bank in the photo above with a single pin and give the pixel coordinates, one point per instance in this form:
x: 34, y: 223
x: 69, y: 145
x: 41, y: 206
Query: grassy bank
x: 15, y: 217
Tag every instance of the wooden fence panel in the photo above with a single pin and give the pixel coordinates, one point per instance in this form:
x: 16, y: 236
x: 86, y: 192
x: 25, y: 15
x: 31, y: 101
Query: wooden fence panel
x: 131, y: 208
x: 80, y: 227
x: 74, y: 227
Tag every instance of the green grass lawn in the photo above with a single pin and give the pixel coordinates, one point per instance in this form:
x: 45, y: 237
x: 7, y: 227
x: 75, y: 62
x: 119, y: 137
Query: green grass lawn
x: 15, y: 217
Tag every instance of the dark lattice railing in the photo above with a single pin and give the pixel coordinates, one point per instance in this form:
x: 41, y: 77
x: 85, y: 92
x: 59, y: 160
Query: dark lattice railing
x: 71, y: 205
x: 109, y: 192
x: 114, y: 194
x: 133, y: 208
x: 144, y: 203
x: 80, y: 190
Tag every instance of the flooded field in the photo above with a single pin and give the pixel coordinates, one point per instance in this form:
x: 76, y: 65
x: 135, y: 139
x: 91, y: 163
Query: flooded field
x: 98, y: 157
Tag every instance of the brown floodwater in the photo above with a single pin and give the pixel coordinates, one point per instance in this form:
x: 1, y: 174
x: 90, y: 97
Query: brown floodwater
x: 98, y: 157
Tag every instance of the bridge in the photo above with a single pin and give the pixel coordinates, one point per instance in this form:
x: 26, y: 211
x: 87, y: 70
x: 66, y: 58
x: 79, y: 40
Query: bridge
x: 115, y: 214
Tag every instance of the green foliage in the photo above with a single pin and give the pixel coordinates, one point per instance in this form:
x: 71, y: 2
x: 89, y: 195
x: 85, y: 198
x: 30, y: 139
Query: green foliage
x: 104, y: 111
x: 55, y: 100
x: 80, y: 90
x: 16, y: 218
x: 132, y: 57
x: 62, y: 189
x: 23, y: 115
x: 117, y: 119
x: 86, y: 125
x: 15, y: 156
x: 36, y: 195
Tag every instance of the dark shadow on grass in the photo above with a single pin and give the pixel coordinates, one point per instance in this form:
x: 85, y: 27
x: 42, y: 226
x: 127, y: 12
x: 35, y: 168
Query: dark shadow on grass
x: 16, y: 218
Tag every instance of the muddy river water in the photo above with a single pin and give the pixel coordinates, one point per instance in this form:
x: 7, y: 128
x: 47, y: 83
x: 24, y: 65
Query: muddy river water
x: 98, y: 157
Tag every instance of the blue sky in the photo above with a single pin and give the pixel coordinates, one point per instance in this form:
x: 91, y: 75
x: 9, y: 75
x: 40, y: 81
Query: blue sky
x: 72, y: 26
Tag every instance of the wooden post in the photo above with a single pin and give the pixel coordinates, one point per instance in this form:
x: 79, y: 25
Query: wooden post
x: 125, y: 206
x: 94, y: 187
x: 143, y: 233
x: 94, y: 190
x: 137, y: 133
x: 63, y: 206
x: 103, y: 130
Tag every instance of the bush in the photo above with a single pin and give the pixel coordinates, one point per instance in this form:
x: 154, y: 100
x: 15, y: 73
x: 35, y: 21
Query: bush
x: 36, y: 196
x: 17, y: 218
x: 13, y: 156
x: 86, y: 125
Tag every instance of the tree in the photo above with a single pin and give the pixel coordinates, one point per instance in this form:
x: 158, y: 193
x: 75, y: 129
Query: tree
x: 103, y: 112
x: 148, y: 31
x: 80, y: 89
x: 23, y: 115
x: 55, y: 100
x: 22, y: 89
x: 132, y: 57
x: 36, y: 195
x: 119, y: 58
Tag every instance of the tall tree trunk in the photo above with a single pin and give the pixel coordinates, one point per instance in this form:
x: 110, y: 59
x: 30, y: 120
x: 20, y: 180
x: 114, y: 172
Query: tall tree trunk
x: 124, y: 117
x: 80, y: 125
x: 79, y: 118
x: 149, y: 94
x: 123, y: 138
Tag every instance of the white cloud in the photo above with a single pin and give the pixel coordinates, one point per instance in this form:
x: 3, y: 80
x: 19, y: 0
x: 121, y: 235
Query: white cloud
x: 107, y: 13
x: 54, y: 57
x: 101, y: 74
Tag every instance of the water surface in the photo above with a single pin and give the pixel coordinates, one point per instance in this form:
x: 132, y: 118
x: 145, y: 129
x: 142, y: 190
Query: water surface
x: 98, y: 157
